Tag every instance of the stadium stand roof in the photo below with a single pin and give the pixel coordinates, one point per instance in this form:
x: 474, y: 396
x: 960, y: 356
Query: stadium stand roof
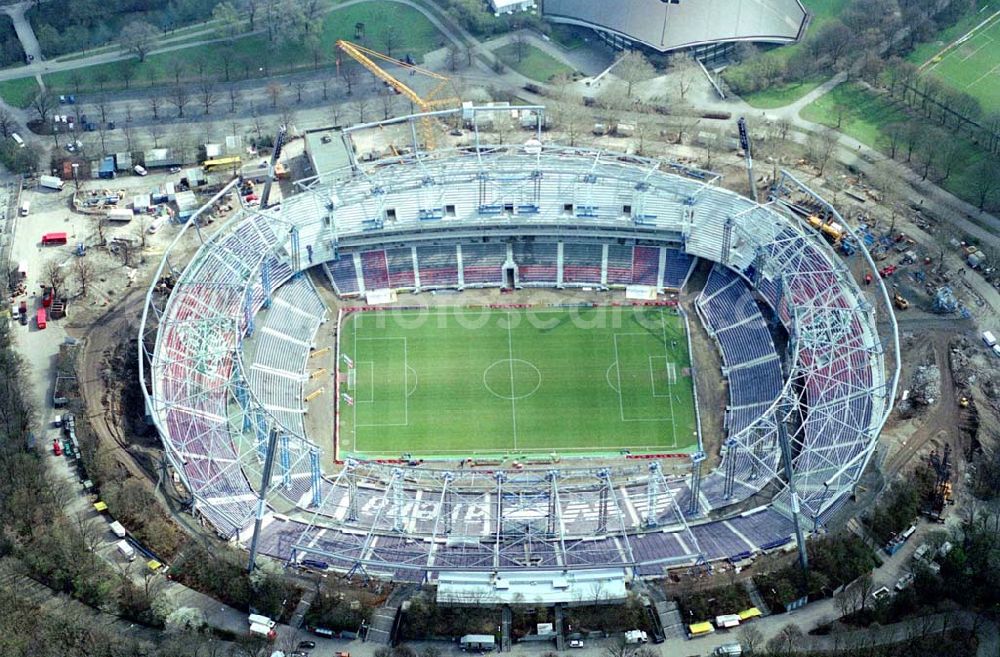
x: 676, y: 25
x: 326, y: 150
x: 602, y: 585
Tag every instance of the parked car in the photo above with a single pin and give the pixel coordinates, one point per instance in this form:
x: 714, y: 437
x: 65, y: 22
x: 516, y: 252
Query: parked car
x: 175, y: 169
x: 576, y: 643
x: 306, y: 645
x: 139, y: 170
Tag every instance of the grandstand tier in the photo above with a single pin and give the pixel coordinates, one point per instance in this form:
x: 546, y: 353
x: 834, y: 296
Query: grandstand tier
x: 233, y: 337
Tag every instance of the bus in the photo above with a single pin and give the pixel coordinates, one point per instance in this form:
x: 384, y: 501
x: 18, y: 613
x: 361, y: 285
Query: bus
x: 50, y: 239
x: 221, y: 163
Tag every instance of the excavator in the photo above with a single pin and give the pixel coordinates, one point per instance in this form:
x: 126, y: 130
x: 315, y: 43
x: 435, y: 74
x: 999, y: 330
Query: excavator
x: 427, y: 103
x: 899, y: 300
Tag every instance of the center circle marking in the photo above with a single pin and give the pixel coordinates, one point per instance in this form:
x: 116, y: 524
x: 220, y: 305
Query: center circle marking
x: 497, y: 379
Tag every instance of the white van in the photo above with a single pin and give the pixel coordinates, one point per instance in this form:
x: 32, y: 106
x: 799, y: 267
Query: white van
x: 729, y: 650
x: 989, y: 339
x: 139, y: 170
x: 126, y: 550
x: 17, y: 139
x: 25, y: 208
x: 257, y: 619
x: 117, y: 529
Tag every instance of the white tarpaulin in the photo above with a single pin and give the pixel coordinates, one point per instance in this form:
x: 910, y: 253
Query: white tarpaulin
x: 640, y: 292
x: 376, y: 297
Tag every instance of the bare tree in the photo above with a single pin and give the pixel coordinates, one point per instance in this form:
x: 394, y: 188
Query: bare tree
x: 139, y: 229
x: 288, y: 117
x: 128, y: 131
x: 985, y: 180
x: 349, y: 72
x: 751, y: 639
x: 83, y: 271
x: 388, y: 99
x: 633, y: 67
x: 520, y: 43
x: 300, y: 86
x: 179, y: 98
x: 390, y: 38
x: 43, y: 103
x: 207, y: 95
x: 7, y: 122
x: 274, y: 92
x: 684, y: 73
x: 155, y: 102
x: 155, y: 132
x: 454, y: 57
x: 234, y: 97
x: 361, y: 108
x: 53, y: 274
x: 127, y: 73
x: 820, y: 146
x: 138, y: 37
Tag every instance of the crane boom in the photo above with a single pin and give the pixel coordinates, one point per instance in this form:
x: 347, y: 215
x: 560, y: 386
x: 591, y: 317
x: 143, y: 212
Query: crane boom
x: 370, y: 58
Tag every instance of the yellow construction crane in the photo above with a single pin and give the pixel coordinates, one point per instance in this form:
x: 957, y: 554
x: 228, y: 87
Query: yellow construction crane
x: 367, y: 58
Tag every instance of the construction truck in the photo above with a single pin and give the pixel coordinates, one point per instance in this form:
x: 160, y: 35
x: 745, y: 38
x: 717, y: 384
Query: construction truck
x: 832, y: 230
x: 899, y: 300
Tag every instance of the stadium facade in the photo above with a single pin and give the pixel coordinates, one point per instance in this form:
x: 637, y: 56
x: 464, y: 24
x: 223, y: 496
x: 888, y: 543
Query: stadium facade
x: 801, y: 423
x: 682, y: 24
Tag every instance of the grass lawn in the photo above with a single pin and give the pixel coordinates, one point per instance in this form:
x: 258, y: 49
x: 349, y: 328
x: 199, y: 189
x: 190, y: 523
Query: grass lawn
x: 974, y: 66
x: 867, y: 115
x: 18, y: 92
x: 382, y: 25
x: 455, y: 383
x: 569, y: 37
x: 926, y: 50
x: 782, y: 94
x: 822, y: 12
x: 535, y: 64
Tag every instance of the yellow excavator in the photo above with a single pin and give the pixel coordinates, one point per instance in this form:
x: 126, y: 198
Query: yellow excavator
x: 427, y: 103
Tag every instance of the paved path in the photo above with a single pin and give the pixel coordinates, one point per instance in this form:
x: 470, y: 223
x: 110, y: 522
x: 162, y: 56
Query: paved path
x: 25, y: 34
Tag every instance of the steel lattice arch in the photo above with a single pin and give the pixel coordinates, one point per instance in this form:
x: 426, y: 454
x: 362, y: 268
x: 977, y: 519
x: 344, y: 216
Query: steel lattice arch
x: 216, y: 412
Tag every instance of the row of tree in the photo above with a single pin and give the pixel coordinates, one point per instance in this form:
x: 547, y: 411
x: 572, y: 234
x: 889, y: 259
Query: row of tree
x: 68, y: 27
x: 857, y: 39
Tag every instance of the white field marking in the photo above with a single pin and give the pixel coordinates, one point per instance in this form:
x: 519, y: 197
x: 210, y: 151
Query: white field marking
x: 406, y: 384
x: 406, y: 404
x: 942, y: 54
x: 621, y: 401
x: 513, y: 398
x: 371, y: 382
x: 607, y: 376
x: 535, y: 450
x: 975, y: 51
x: 652, y: 374
x: 989, y: 72
x: 409, y: 393
x: 671, y: 373
x: 355, y: 409
x: 673, y: 422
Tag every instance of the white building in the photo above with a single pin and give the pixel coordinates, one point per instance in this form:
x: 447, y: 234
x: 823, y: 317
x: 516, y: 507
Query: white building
x: 510, y: 6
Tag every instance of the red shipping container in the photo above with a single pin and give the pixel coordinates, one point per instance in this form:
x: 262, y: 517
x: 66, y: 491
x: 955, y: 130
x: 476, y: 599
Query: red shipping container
x: 40, y: 318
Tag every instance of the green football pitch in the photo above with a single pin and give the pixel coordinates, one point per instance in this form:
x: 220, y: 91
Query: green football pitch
x: 972, y: 63
x: 476, y: 382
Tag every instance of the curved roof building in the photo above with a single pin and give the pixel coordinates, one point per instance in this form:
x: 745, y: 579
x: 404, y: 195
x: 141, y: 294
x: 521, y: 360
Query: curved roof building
x: 679, y: 24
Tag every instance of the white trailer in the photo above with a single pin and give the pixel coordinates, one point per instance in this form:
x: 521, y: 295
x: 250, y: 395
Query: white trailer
x: 126, y: 550
x: 120, y: 215
x: 257, y: 619
x: 117, y: 529
x: 633, y: 637
x: 989, y: 339
x: 51, y: 182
